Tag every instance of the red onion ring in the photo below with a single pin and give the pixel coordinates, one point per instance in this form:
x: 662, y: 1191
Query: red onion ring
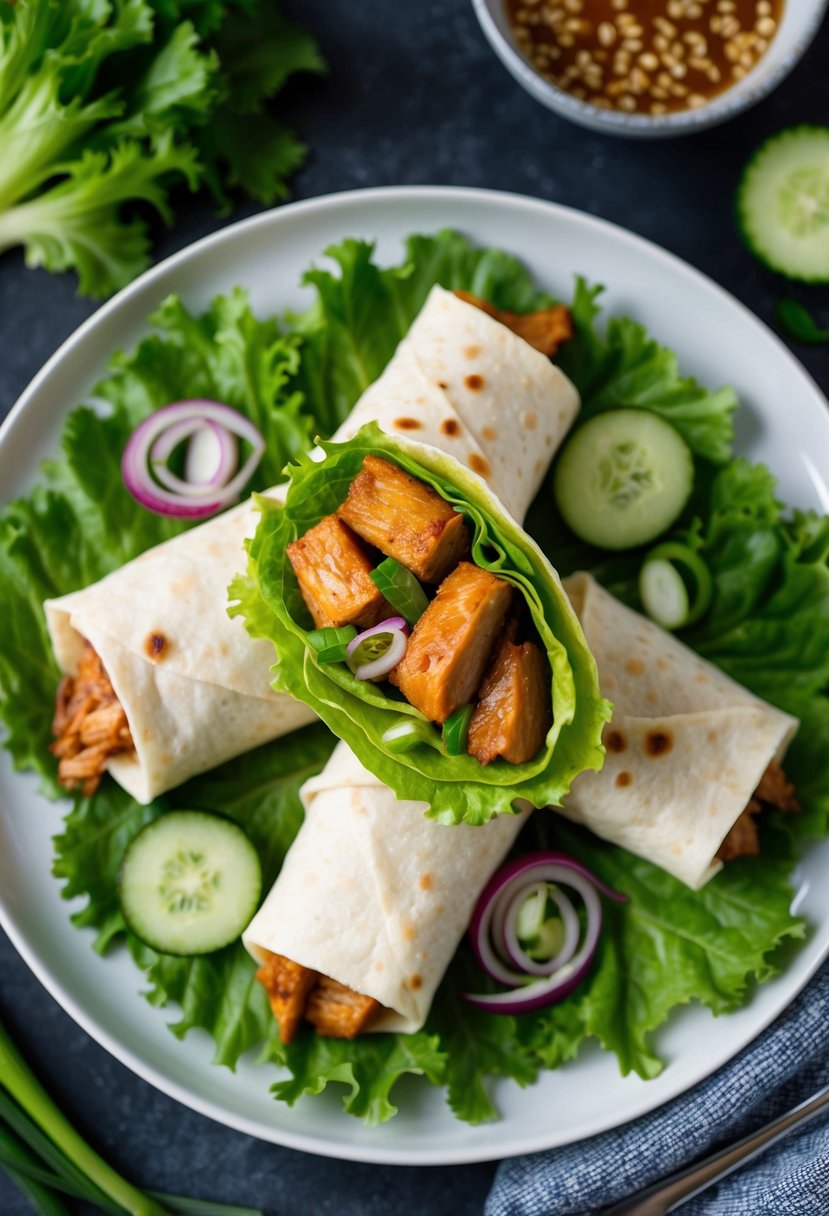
x: 398, y: 630
x: 495, y: 941
x: 151, y: 482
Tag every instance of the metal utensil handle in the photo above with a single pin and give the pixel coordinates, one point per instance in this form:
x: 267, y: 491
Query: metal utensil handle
x: 665, y: 1196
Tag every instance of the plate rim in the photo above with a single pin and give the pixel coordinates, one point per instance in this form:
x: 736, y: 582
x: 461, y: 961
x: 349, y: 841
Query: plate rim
x: 380, y: 1154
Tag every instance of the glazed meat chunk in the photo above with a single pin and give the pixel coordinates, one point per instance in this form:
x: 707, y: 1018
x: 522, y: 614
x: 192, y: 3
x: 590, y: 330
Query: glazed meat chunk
x: 513, y: 712
x: 545, y: 329
x: 338, y: 1012
x: 287, y: 985
x: 333, y: 575
x: 405, y: 519
x: 452, y: 642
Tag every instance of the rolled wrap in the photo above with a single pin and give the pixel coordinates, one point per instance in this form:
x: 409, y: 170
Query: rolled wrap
x: 403, y: 888
x: 205, y: 696
x: 686, y: 747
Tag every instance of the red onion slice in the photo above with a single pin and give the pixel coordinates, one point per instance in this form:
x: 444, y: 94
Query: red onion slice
x: 398, y: 630
x: 495, y: 939
x: 152, y: 483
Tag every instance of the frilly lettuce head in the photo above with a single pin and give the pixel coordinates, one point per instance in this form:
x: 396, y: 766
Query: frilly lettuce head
x: 456, y: 788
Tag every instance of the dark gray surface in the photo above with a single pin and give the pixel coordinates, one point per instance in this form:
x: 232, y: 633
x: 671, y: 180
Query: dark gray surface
x: 414, y: 96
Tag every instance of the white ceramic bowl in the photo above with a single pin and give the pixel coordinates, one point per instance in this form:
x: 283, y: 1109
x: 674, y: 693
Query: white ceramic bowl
x: 800, y: 22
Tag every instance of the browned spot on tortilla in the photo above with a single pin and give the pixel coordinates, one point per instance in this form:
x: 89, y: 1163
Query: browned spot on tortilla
x: 713, y: 737
x: 156, y: 646
x: 407, y: 424
x: 658, y: 742
x: 663, y: 663
x: 416, y: 982
x: 224, y: 649
x: 489, y: 433
x: 474, y: 382
x: 548, y: 441
x: 615, y: 741
x: 652, y: 698
x: 378, y: 966
x: 426, y: 882
x: 450, y: 426
x: 442, y: 384
x: 478, y: 465
x: 634, y: 667
x: 624, y: 778
x: 409, y: 931
x: 702, y: 677
x: 472, y: 352
x: 529, y: 419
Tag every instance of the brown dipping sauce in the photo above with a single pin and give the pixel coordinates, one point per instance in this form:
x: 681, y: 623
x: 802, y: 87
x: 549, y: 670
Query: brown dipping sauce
x: 644, y: 56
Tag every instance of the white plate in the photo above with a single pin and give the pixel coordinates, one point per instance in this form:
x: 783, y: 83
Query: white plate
x: 783, y: 421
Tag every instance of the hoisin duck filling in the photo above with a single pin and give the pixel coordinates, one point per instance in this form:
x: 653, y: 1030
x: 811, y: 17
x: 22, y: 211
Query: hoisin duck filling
x: 463, y: 650
x: 775, y: 791
x: 298, y: 994
x: 89, y: 724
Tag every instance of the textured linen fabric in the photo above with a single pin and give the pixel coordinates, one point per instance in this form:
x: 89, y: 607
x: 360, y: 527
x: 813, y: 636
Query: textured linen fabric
x: 784, y: 1066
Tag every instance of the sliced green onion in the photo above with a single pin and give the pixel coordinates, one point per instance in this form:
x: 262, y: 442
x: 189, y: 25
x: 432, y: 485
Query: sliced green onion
x: 675, y: 585
x: 400, y: 587
x: 331, y: 644
x: 530, y: 917
x: 410, y: 733
x: 456, y: 729
x: 549, y: 941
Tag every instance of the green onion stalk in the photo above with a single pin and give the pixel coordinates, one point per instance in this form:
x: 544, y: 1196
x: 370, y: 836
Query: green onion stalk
x: 47, y: 1158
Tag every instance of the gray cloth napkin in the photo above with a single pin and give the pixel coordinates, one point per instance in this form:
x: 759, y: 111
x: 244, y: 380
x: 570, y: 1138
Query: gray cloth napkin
x: 781, y: 1068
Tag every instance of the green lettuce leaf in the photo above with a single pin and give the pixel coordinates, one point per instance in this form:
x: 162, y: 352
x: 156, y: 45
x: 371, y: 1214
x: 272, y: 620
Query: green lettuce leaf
x: 625, y: 367
x: 457, y: 788
x: 107, y: 105
x: 361, y: 313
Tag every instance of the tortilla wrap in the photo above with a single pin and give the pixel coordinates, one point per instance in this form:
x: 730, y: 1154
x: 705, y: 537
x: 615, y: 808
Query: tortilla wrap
x: 686, y: 747
x: 404, y: 886
x: 206, y: 696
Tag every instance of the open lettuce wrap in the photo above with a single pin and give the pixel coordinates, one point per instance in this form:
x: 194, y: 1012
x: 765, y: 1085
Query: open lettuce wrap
x: 457, y: 788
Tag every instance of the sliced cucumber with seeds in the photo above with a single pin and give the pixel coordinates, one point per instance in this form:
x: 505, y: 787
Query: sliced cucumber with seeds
x: 783, y: 203
x: 189, y: 883
x: 623, y: 478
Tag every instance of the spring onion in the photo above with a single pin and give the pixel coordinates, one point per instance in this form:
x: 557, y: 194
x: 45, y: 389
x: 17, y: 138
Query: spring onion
x: 409, y: 733
x: 456, y: 730
x: 331, y: 644
x: 47, y: 1158
x: 675, y: 585
x: 400, y: 587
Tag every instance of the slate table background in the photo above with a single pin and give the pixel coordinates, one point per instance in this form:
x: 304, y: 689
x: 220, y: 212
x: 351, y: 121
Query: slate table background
x: 414, y: 95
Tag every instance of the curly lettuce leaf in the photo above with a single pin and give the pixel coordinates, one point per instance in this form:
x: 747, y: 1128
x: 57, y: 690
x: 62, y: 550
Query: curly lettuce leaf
x: 107, y: 105
x: 457, y: 788
x: 361, y: 311
x: 625, y: 366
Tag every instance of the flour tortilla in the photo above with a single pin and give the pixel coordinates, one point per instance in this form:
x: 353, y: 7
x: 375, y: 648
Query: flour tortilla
x: 207, y: 697
x: 686, y: 748
x: 404, y: 886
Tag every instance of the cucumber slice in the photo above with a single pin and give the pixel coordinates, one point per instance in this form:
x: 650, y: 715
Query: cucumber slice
x: 623, y: 478
x: 783, y: 203
x: 189, y: 883
x: 663, y: 593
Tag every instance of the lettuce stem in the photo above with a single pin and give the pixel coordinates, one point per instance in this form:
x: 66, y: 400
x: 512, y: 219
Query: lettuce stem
x: 29, y: 1093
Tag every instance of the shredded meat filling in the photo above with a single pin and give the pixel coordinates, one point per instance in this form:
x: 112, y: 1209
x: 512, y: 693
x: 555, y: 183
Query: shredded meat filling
x: 545, y: 329
x: 296, y: 992
x: 89, y: 724
x: 775, y: 790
